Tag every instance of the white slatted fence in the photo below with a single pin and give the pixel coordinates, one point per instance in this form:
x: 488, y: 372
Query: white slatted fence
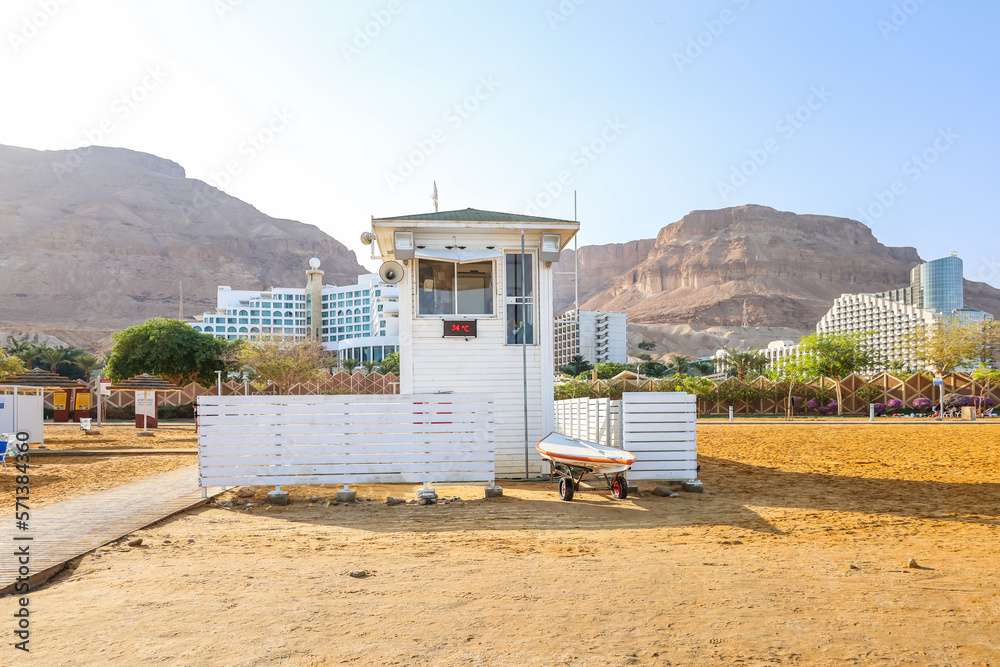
x: 593, y: 419
x: 658, y: 427
x: 414, y: 438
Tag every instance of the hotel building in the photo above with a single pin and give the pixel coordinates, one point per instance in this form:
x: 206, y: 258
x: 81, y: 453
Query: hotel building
x: 359, y: 321
x: 935, y: 293
x: 597, y: 336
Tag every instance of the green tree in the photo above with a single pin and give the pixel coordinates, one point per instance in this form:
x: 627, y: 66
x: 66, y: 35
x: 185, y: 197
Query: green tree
x: 609, y: 369
x: 703, y: 367
x: 281, y: 361
x: 53, y: 356
x: 24, y: 350
x: 987, y: 378
x: 743, y: 364
x: 644, y: 356
x: 370, y: 366
x: 653, y: 369
x: 679, y: 363
x: 169, y: 349
x: 87, y: 363
x: 945, y: 346
x: 10, y: 364
x: 646, y: 345
x: 576, y: 366
x: 833, y: 355
x: 349, y: 365
x: 986, y: 348
x: 390, y: 364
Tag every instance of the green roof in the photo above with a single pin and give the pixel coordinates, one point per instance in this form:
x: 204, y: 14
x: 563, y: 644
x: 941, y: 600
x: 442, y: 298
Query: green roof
x: 475, y: 215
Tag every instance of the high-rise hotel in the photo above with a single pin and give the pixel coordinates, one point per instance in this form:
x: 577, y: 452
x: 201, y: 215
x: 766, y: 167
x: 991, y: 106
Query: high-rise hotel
x: 935, y: 293
x: 359, y: 321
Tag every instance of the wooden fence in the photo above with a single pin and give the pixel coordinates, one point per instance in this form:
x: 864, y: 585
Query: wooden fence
x: 341, y: 383
x: 275, y: 440
x: 658, y: 427
x: 763, y: 396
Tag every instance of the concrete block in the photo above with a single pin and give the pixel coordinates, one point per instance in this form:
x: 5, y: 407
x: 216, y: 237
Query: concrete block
x: 430, y: 494
x: 347, y: 495
x: 633, y: 489
x: 694, y: 486
x: 277, y: 497
x: 494, y: 491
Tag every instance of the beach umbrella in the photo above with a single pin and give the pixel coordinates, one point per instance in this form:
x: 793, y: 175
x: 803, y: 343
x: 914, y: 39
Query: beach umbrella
x: 38, y: 377
x: 144, y: 382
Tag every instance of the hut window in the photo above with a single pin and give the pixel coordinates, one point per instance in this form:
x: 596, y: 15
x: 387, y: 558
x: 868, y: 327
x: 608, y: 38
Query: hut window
x: 519, y: 300
x: 450, y: 288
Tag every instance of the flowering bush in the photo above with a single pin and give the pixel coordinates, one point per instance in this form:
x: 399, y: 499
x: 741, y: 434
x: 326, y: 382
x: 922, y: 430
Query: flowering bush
x: 811, y: 405
x: 894, y: 404
x: 922, y: 403
x: 879, y: 409
x: 825, y: 409
x: 832, y: 405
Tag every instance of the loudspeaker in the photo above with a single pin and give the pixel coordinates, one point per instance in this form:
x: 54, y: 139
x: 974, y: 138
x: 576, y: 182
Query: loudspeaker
x: 391, y: 272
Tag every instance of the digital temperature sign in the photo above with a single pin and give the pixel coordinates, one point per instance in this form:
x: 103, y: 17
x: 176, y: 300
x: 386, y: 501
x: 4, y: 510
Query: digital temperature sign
x: 459, y: 328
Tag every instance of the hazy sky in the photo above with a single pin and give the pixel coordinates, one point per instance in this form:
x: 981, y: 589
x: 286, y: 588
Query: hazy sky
x: 331, y: 112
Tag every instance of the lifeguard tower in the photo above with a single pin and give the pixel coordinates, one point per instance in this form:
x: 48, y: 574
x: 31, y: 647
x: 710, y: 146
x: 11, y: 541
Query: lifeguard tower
x: 475, y: 315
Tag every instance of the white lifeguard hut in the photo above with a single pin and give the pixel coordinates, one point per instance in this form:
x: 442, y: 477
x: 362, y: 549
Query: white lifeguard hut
x: 475, y: 315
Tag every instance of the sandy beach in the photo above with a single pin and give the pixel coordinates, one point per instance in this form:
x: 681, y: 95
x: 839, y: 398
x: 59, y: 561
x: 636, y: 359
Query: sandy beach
x: 796, y: 553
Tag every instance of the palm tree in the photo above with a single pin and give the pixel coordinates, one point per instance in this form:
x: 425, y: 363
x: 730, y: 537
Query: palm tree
x: 680, y: 363
x: 369, y: 366
x: 703, y: 367
x: 743, y: 363
x: 349, y: 365
x: 88, y: 363
x: 578, y: 365
x: 53, y: 356
x: 24, y: 350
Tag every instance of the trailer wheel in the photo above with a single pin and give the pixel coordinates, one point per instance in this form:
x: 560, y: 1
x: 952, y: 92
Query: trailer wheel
x: 619, y: 487
x: 565, y: 489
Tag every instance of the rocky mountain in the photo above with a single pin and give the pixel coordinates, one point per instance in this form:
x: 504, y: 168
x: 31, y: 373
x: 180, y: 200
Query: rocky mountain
x: 100, y: 238
x: 787, y: 268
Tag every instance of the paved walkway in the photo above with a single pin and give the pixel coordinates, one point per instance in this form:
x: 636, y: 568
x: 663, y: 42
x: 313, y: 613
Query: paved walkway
x: 64, y: 530
x: 112, y: 452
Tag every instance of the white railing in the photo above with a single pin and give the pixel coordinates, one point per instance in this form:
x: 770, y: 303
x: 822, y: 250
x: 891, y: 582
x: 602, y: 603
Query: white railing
x: 413, y: 438
x: 658, y: 427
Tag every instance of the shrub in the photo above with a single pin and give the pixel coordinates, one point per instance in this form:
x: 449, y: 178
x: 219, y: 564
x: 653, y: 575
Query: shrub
x: 879, y: 409
x: 811, y: 405
x: 894, y: 404
x: 823, y: 409
x: 922, y: 403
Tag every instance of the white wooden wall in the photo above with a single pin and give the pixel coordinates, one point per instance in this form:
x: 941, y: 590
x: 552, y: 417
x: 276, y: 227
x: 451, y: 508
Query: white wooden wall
x: 414, y: 438
x: 592, y: 419
x: 658, y: 427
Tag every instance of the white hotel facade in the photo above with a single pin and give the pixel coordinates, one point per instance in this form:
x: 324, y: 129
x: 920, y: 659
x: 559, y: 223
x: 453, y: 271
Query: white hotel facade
x: 359, y: 321
x: 597, y: 336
